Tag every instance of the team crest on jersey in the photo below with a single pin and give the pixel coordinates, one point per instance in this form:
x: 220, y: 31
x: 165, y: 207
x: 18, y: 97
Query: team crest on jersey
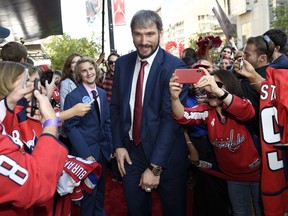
x: 30, y: 144
x: 230, y: 143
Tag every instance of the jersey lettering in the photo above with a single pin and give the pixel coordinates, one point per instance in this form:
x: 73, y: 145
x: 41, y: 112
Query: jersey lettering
x: 271, y: 136
x: 274, y: 162
x: 16, y: 138
x: 265, y: 92
x: 12, y: 170
x: 268, y: 121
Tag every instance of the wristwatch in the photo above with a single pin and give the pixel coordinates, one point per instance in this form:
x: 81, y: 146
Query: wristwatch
x: 156, y: 170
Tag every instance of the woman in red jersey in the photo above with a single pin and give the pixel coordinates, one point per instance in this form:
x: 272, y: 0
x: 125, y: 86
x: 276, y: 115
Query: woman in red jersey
x: 226, y: 116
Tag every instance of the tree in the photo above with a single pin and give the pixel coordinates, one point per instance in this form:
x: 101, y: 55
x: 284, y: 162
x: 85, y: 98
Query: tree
x: 280, y: 14
x: 59, y: 47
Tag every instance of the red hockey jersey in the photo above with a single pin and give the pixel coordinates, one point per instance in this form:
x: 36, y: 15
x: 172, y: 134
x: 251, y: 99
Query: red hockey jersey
x: 25, y: 132
x: 236, y: 154
x: 28, y: 180
x: 273, y: 127
x: 19, y: 126
x: 78, y: 175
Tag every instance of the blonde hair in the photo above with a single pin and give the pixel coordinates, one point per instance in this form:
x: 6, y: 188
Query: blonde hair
x: 9, y: 72
x: 84, y: 59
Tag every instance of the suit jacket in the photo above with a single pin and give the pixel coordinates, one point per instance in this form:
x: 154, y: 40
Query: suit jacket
x: 87, y: 135
x: 162, y: 137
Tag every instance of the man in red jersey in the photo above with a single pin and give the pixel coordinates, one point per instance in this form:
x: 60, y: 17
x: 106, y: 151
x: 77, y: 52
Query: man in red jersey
x: 273, y: 132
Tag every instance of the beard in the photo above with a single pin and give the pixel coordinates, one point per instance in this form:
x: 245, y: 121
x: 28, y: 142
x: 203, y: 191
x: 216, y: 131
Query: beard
x: 147, y: 55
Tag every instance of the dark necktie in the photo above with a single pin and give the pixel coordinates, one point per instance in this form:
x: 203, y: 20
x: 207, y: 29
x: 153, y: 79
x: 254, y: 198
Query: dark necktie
x: 95, y: 96
x: 136, y: 132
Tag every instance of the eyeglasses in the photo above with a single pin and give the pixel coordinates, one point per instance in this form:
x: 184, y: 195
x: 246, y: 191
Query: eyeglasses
x: 267, y: 41
x: 219, y: 84
x: 111, y: 62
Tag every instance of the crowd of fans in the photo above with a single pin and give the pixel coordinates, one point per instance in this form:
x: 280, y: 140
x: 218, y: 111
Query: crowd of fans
x: 57, y: 138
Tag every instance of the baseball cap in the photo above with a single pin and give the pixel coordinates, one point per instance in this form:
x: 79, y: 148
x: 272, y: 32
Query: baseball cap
x: 201, y: 63
x: 4, y: 32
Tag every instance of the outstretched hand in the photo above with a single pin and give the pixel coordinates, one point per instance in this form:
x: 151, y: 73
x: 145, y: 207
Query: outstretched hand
x: 174, y: 87
x: 207, y: 82
x: 45, y: 110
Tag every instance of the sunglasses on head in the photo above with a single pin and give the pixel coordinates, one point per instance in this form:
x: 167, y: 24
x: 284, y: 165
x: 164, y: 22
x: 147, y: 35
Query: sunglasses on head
x: 219, y: 84
x: 267, y: 41
x: 111, y: 62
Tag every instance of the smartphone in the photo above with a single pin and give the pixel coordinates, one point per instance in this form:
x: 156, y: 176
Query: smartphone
x: 241, y: 63
x: 26, y: 78
x: 33, y: 98
x: 46, y: 75
x: 188, y: 76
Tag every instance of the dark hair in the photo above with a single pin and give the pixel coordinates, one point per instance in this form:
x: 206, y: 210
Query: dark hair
x: 227, y: 47
x: 232, y: 84
x: 263, y: 44
x: 278, y: 37
x: 14, y: 51
x: 31, y: 69
x: 189, y: 61
x: 58, y: 73
x: 30, y: 61
x: 145, y: 18
x: 113, y: 54
x: 67, y: 72
x: 189, y: 52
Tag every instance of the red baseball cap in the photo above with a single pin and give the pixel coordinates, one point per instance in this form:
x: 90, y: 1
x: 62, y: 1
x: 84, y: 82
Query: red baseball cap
x: 201, y: 63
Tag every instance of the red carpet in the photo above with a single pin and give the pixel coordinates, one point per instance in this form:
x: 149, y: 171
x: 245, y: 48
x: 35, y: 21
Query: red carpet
x: 115, y: 204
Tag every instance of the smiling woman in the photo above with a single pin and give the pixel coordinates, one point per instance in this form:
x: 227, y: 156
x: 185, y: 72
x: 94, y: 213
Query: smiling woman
x: 31, y: 19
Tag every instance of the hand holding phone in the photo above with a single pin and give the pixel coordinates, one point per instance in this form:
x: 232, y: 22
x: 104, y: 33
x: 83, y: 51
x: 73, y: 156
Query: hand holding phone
x: 241, y: 63
x: 33, y: 98
x: 189, y: 76
x: 46, y: 75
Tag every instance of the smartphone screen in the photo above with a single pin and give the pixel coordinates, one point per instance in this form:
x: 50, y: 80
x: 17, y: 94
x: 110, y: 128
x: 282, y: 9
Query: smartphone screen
x: 188, y: 76
x: 46, y: 75
x: 33, y: 99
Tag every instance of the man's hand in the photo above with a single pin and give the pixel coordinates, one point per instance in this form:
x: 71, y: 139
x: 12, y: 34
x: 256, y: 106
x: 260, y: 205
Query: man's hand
x: 149, y: 180
x: 121, y: 156
x: 90, y: 158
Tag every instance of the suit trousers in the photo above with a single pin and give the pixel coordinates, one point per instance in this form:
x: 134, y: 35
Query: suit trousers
x: 172, y: 187
x: 93, y: 204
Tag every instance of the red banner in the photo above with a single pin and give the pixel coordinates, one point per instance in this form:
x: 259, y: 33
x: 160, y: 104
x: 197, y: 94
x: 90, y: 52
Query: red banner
x: 119, y: 12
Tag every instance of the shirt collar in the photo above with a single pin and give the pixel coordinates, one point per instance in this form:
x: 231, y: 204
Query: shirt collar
x: 89, y: 89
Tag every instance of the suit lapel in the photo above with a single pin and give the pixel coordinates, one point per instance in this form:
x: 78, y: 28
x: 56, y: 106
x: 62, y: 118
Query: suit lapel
x: 153, y: 77
x: 129, y: 70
